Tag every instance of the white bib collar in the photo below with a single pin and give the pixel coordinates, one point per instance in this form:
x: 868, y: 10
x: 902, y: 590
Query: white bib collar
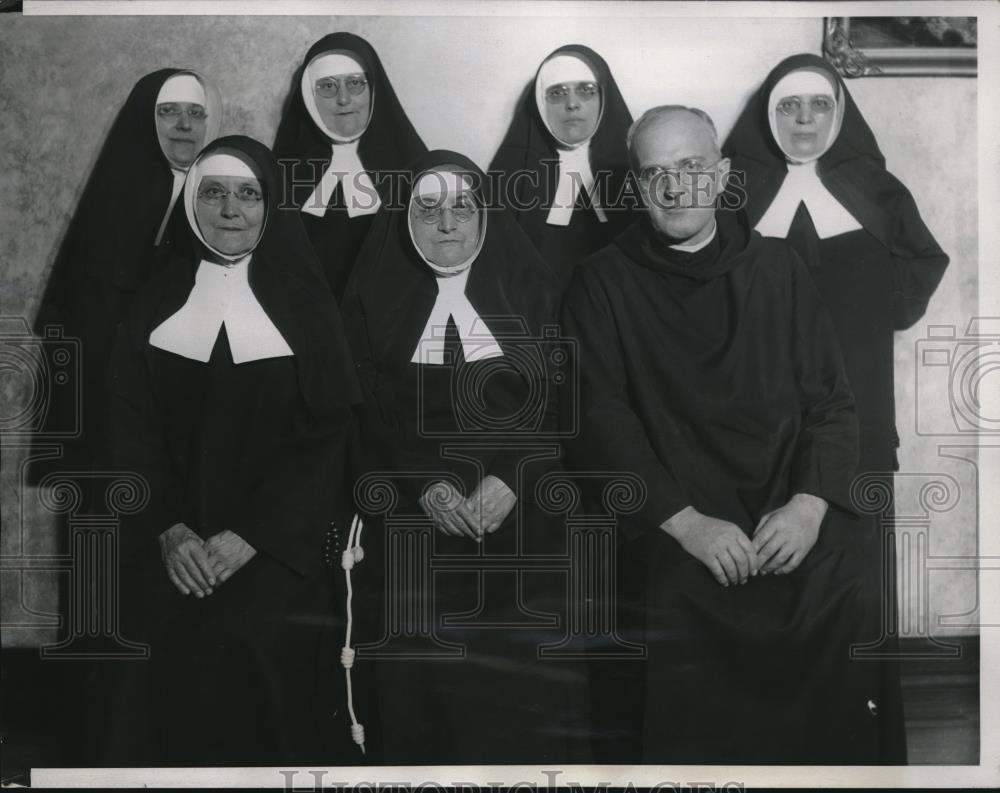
x: 221, y: 296
x: 478, y: 342
x: 347, y: 169
x: 574, y: 173
x: 802, y: 185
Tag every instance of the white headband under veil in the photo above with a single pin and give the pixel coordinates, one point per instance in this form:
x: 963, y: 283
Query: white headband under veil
x: 330, y: 64
x: 221, y: 162
x: 797, y: 83
x: 564, y: 68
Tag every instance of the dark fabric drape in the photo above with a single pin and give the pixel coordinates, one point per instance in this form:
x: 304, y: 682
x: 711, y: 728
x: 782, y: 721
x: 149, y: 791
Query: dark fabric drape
x: 260, y: 449
x: 106, y: 256
x: 388, y: 144
x: 874, y: 281
x: 715, y: 376
x: 526, y: 170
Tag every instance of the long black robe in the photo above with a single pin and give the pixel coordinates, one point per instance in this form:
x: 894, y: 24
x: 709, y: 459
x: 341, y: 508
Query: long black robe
x: 247, y: 675
x: 387, y: 145
x: 715, y: 377
x: 108, y: 252
x: 874, y: 280
x: 500, y: 703
x: 528, y: 147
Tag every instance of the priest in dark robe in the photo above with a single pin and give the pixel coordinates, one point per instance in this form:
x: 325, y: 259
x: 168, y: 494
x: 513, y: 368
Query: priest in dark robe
x: 562, y: 167
x: 813, y: 174
x: 710, y: 369
x: 446, y: 313
x: 341, y: 138
x: 232, y: 388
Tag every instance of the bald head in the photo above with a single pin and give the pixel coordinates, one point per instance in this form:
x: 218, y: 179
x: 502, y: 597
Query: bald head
x: 654, y: 120
x: 675, y: 153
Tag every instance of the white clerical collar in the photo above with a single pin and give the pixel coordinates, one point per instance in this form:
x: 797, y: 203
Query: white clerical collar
x: 478, y: 342
x: 221, y: 296
x: 698, y: 245
x: 802, y: 185
x: 574, y: 172
x: 345, y: 168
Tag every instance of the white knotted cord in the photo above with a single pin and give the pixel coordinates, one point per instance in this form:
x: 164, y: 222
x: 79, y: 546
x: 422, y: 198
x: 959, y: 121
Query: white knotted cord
x: 353, y: 554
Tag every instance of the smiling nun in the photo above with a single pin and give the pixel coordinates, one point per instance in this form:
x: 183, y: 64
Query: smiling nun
x: 232, y: 387
x: 815, y: 176
x: 342, y: 131
x: 445, y: 307
x: 563, y: 160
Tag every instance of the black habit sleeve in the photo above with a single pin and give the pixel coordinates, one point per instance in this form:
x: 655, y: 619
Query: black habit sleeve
x: 826, y: 452
x: 611, y: 435
x: 138, y: 436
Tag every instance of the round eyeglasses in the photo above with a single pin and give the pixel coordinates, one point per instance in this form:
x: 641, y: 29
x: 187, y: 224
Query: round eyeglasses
x: 791, y: 105
x: 329, y: 87
x: 168, y: 110
x: 430, y: 215
x: 686, y: 173
x: 246, y: 195
x: 582, y: 91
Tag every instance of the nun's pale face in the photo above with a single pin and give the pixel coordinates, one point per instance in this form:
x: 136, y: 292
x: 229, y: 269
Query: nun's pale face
x: 344, y: 102
x: 572, y: 110
x: 446, y: 229
x: 803, y: 122
x: 230, y: 212
x: 180, y: 126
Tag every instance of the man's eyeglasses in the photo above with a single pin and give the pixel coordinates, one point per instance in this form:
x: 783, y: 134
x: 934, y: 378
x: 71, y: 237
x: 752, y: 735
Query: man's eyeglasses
x: 246, y: 195
x: 687, y: 173
x: 791, y: 105
x: 175, y: 111
x: 430, y: 214
x: 329, y: 87
x: 583, y: 91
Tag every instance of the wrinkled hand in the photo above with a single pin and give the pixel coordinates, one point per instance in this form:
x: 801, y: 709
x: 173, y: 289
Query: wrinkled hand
x: 442, y: 502
x: 227, y: 553
x: 488, y: 506
x: 183, y: 554
x: 785, y: 536
x: 718, y: 544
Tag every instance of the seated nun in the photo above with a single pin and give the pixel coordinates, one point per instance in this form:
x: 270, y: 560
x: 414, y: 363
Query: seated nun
x: 446, y: 301
x: 814, y: 176
x: 342, y: 132
x: 231, y: 392
x: 562, y: 167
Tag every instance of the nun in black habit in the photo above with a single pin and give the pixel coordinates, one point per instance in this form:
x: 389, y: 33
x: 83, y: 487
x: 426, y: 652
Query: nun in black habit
x: 342, y: 134
x: 815, y: 177
x: 709, y: 368
x: 562, y: 168
x: 447, y: 302
x: 128, y: 212
x: 232, y: 389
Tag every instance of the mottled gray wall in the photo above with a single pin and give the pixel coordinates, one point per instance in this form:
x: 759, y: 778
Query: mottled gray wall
x: 63, y: 79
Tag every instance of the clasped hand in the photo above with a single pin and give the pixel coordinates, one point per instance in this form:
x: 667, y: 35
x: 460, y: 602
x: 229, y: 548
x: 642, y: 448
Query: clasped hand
x: 780, y: 542
x: 195, y: 565
x: 481, y: 513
